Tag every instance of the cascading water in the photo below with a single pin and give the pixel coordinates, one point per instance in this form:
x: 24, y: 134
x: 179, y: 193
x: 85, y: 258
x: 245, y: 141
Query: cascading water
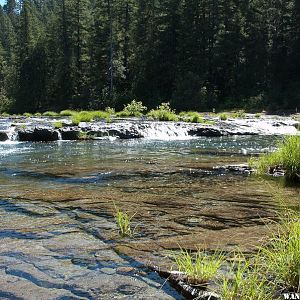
x: 164, y: 131
x: 12, y: 134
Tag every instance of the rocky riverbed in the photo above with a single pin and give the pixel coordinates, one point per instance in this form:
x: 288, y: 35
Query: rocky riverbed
x: 58, y: 234
x: 42, y: 129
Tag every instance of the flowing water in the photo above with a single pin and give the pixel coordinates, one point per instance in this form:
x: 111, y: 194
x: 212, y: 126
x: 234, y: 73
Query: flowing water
x: 58, y: 235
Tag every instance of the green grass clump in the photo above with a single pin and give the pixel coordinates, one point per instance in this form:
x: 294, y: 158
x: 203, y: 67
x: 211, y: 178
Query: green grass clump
x: 28, y: 115
x: 163, y: 113
x: 58, y: 125
x: 37, y: 114
x: 200, y: 267
x: 246, y: 281
x: 50, y: 114
x: 133, y: 109
x: 287, y: 157
x: 239, y: 114
x: 223, y: 116
x: 67, y: 113
x: 258, y: 115
x: 101, y: 115
x: 191, y: 116
x: 83, y: 116
x: 282, y: 255
x: 5, y: 115
x: 123, y: 221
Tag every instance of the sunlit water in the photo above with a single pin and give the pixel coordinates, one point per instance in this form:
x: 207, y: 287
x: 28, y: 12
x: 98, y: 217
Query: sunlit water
x: 59, y: 238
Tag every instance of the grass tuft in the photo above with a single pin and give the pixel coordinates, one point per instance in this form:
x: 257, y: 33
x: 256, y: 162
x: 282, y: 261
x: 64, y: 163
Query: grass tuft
x: 50, y: 114
x: 67, y: 113
x: 123, y: 221
x: 133, y: 109
x: 200, y: 267
x: 58, y: 125
x: 287, y: 157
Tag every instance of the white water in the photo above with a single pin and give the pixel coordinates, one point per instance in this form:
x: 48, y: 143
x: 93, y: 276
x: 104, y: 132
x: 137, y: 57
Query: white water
x: 165, y: 131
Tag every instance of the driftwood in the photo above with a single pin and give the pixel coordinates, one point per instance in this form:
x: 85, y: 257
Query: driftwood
x: 180, y: 281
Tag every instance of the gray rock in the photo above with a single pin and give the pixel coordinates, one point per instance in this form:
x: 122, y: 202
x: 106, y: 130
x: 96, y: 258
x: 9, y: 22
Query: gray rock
x: 37, y: 135
x: 3, y: 136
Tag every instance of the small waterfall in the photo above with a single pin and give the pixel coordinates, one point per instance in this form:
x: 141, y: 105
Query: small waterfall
x: 164, y: 131
x: 12, y: 134
x: 59, y: 135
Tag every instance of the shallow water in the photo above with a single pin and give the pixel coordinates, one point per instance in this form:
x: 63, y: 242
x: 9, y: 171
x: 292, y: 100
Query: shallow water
x: 59, y: 239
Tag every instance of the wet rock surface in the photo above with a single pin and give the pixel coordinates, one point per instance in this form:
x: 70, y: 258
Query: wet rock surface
x: 41, y: 129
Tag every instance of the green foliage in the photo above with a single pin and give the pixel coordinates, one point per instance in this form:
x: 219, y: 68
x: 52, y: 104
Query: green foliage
x: 282, y: 255
x: 28, y: 115
x: 37, y: 114
x: 133, y: 109
x: 199, y: 267
x: 50, y: 114
x: 67, y: 113
x: 223, y: 116
x: 5, y: 115
x: 101, y: 115
x: 246, y: 281
x: 123, y: 221
x: 58, y: 125
x: 163, y: 113
x: 239, y: 114
x: 287, y: 156
x: 111, y: 111
x: 258, y: 115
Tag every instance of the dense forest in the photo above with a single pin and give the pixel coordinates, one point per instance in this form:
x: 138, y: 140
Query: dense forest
x: 195, y: 54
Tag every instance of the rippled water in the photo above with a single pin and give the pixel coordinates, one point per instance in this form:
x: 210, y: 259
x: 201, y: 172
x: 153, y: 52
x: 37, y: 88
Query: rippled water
x: 59, y: 239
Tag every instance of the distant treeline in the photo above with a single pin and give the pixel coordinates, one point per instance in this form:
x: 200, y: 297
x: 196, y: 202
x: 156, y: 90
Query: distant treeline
x: 195, y: 54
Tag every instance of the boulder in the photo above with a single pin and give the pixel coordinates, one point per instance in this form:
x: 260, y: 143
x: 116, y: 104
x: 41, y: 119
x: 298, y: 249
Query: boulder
x: 206, y: 131
x: 3, y: 136
x: 70, y: 133
x: 37, y: 135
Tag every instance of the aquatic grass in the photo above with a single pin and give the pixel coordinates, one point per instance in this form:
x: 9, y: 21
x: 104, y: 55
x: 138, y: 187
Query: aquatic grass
x: 191, y: 116
x: 28, y: 115
x: 123, y: 221
x: 163, y: 113
x: 246, y: 281
x: 5, y: 115
x: 200, y: 267
x: 50, y: 114
x: 58, y: 125
x: 282, y: 255
x: 82, y: 116
x: 258, y: 115
x: 287, y: 157
x: 223, y: 116
x: 239, y: 114
x: 101, y: 115
x: 67, y: 113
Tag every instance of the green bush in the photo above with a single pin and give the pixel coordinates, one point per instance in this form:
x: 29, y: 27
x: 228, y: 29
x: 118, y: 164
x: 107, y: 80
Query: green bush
x: 58, y: 125
x: 163, y: 113
x: 287, y: 157
x: 223, y: 116
x: 239, y: 114
x: 133, y: 109
x: 50, y: 114
x: 5, y: 114
x: 67, y: 113
x: 258, y: 115
x: 37, y: 114
x: 28, y: 115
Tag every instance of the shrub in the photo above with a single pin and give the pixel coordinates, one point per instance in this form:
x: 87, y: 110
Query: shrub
x: 28, y: 115
x: 111, y: 111
x: 287, y: 156
x: 239, y: 114
x: 83, y: 116
x: 258, y: 115
x: 133, y: 109
x: 5, y: 115
x: 50, y: 114
x: 223, y: 116
x: 200, y: 267
x: 58, y: 125
x: 37, y: 114
x: 67, y: 113
x: 163, y: 113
